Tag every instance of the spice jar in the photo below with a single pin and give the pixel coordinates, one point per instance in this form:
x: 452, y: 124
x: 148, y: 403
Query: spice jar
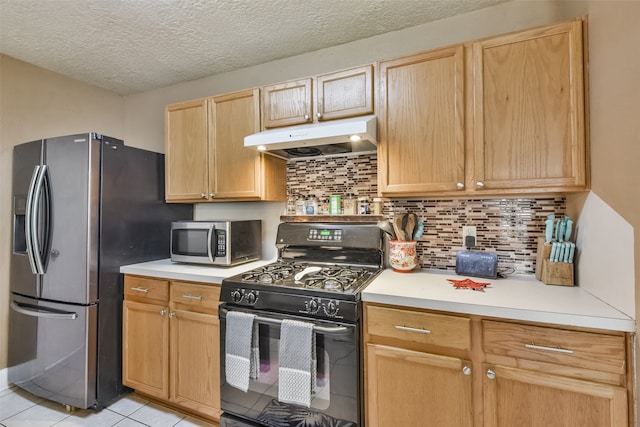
x: 300, y: 206
x: 312, y: 206
x: 376, y: 206
x: 349, y: 205
x: 363, y: 206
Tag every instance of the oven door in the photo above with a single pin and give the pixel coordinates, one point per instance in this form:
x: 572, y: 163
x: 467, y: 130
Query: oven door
x: 337, y: 400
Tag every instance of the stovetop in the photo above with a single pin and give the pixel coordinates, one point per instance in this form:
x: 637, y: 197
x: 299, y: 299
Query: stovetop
x: 320, y: 272
x: 347, y: 279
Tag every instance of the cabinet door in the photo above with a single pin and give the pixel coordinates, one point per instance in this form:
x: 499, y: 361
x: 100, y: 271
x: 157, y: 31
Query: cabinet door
x: 186, y: 151
x: 516, y: 397
x: 529, y: 110
x: 286, y: 104
x: 345, y: 93
x: 145, y: 348
x: 235, y: 171
x: 404, y: 387
x: 195, y: 361
x: 421, y: 146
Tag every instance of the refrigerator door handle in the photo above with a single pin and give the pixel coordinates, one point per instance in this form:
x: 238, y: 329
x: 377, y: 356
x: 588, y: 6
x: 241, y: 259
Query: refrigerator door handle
x: 40, y: 185
x: 48, y: 313
x: 29, y: 222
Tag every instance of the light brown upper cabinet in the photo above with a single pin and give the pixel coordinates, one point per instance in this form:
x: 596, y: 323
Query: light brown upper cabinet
x: 502, y: 115
x: 421, y: 123
x: 205, y: 154
x: 529, y: 127
x: 186, y: 151
x: 337, y: 95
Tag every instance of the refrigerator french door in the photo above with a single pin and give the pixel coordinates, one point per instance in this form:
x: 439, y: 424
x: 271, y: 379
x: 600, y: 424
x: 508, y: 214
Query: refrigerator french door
x: 82, y: 206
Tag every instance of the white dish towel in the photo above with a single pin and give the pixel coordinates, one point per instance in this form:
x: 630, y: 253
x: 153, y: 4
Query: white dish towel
x: 242, y: 357
x: 297, y: 372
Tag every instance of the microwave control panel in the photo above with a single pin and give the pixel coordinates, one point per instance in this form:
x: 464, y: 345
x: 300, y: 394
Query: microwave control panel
x: 221, y: 243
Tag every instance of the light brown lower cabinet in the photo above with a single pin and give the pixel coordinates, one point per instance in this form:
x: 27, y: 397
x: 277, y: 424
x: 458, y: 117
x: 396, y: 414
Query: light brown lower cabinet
x: 432, y: 368
x: 170, y: 343
x: 403, y: 386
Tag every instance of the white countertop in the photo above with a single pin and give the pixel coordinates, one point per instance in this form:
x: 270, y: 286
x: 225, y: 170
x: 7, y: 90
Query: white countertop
x: 166, y: 269
x: 518, y: 297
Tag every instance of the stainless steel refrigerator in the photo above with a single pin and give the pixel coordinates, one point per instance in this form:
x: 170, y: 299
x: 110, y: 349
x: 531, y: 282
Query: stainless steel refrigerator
x: 83, y: 205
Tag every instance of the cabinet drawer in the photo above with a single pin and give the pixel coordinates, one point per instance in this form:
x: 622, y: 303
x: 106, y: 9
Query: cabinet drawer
x: 588, y: 350
x: 419, y: 327
x: 205, y: 297
x: 146, y: 288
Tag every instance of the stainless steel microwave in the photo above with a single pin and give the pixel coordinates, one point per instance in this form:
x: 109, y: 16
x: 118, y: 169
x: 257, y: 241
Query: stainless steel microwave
x: 223, y: 242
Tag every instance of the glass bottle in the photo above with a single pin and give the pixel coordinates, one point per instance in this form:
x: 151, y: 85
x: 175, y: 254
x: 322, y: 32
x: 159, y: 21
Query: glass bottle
x: 376, y: 206
x: 363, y: 206
x: 349, y: 205
x: 300, y: 206
x: 312, y: 206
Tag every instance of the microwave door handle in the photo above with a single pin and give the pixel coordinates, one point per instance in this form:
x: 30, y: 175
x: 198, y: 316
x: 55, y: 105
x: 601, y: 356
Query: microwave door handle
x: 327, y: 330
x: 210, y: 250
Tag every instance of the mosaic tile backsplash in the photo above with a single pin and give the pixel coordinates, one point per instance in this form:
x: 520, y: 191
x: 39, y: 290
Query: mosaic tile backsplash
x: 507, y: 227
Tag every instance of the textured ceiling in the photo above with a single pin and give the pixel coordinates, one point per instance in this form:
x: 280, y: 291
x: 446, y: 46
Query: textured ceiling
x: 129, y: 46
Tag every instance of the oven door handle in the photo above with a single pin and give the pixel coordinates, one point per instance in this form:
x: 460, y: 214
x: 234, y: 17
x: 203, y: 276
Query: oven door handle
x: 327, y: 330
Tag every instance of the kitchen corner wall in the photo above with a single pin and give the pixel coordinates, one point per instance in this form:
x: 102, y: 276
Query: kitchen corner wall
x: 507, y: 227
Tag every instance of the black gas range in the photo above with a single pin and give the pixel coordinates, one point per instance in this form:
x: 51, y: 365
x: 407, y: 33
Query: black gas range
x: 320, y: 271
x: 317, y: 280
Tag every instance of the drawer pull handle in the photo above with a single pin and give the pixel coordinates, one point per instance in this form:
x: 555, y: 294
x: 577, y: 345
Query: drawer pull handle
x: 545, y: 348
x: 145, y: 290
x: 198, y: 297
x: 408, y: 329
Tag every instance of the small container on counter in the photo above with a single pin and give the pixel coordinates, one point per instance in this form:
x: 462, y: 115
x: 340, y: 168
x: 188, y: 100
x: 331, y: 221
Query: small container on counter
x: 323, y: 207
x: 335, y: 205
x: 363, y: 206
x: 300, y: 206
x: 376, y: 206
x: 312, y: 206
x: 349, y: 205
x: 291, y: 205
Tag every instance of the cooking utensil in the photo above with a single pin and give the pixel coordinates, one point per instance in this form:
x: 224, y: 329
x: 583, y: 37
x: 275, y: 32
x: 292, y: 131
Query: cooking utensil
x: 398, y: 228
x: 419, y: 230
x: 387, y: 228
x: 308, y: 270
x: 410, y: 226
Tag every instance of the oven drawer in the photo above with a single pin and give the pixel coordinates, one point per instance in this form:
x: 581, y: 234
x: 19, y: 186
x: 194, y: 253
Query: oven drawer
x: 201, y: 297
x: 144, y: 288
x: 579, y: 349
x: 419, y: 327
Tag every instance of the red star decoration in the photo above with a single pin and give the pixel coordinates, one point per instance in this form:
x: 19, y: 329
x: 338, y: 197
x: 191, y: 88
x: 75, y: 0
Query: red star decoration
x: 469, y: 284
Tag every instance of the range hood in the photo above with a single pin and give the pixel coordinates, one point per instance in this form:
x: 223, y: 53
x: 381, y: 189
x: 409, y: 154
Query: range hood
x: 352, y: 135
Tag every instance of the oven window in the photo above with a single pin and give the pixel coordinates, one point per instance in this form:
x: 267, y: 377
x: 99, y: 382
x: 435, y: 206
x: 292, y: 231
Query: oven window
x: 193, y: 242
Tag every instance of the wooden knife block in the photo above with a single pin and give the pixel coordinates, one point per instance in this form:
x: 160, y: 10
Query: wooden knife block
x: 552, y: 273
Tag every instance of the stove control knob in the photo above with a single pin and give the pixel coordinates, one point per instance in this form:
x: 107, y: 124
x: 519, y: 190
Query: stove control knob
x: 331, y: 309
x: 251, y: 298
x: 236, y: 296
x: 313, y: 306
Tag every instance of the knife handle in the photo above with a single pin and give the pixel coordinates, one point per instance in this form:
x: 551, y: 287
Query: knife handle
x: 554, y: 249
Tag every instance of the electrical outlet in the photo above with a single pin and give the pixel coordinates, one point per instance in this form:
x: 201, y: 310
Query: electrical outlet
x: 469, y: 236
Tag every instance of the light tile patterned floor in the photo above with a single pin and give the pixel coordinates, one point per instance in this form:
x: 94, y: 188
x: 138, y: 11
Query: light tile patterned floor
x: 21, y: 409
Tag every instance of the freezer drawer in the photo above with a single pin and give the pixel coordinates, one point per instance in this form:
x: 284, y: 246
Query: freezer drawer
x: 52, y: 350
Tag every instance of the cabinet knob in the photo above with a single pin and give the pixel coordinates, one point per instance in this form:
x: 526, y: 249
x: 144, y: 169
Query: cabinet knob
x: 480, y: 184
x: 163, y: 312
x: 490, y: 374
x: 466, y: 370
x: 319, y: 115
x: 460, y: 186
x: 212, y: 195
x: 172, y: 315
x: 203, y: 196
x: 306, y: 117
